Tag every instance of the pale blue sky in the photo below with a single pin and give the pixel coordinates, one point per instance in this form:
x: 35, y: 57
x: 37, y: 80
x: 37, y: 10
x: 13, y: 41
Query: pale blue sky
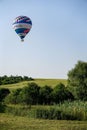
x: 57, y: 40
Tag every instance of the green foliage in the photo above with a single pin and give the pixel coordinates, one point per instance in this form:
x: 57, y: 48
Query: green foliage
x: 45, y: 95
x: 60, y: 94
x: 30, y: 94
x: 3, y: 93
x: 51, y: 113
x: 77, y: 80
x: 2, y: 107
x: 13, y: 79
x: 76, y: 110
x: 13, y: 97
x: 19, y: 110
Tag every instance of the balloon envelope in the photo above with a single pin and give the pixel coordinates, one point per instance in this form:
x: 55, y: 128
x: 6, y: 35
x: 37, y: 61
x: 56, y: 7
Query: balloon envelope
x: 22, y: 26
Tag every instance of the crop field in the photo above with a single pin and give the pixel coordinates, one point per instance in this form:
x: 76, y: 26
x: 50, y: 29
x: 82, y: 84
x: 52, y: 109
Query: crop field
x: 10, y: 122
x: 40, y: 82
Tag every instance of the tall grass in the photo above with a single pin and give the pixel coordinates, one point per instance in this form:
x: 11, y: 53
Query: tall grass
x: 76, y: 110
x: 20, y: 110
x: 66, y: 111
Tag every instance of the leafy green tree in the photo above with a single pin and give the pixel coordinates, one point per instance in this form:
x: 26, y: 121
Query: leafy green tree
x: 25, y: 97
x: 3, y: 93
x: 77, y: 80
x: 60, y: 93
x: 30, y: 94
x: 13, y: 79
x: 26, y: 78
x: 13, y: 97
x: 45, y: 95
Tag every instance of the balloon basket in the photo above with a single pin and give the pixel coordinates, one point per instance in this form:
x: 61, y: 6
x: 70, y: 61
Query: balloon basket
x: 22, y: 40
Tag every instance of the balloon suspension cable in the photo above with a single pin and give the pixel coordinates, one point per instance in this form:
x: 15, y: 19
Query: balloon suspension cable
x: 22, y: 40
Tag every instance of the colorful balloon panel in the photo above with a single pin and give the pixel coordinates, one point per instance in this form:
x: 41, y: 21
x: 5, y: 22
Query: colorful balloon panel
x: 22, y: 26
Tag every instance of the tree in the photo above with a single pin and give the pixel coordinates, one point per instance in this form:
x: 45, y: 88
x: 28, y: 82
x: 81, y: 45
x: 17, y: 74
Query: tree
x: 13, y: 79
x: 3, y: 93
x: 77, y: 80
x: 13, y: 97
x: 60, y: 94
x: 30, y: 94
x: 45, y: 95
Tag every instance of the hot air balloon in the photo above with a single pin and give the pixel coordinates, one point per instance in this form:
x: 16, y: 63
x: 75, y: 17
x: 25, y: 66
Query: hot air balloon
x: 22, y: 26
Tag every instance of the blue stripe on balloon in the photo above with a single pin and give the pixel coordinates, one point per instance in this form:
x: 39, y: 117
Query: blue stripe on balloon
x: 20, y: 30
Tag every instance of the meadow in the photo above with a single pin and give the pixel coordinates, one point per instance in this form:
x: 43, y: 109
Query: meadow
x: 40, y: 82
x: 10, y: 122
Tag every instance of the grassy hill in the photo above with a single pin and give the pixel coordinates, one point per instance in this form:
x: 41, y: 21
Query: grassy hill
x: 40, y: 82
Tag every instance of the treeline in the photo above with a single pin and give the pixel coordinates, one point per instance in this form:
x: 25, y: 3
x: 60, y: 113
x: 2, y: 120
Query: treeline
x: 33, y: 94
x: 13, y: 79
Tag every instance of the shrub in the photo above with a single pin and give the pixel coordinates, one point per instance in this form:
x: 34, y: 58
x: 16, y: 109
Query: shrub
x: 2, y: 107
x: 61, y: 93
x: 45, y: 95
x: 3, y: 93
x: 13, y: 97
x: 30, y: 94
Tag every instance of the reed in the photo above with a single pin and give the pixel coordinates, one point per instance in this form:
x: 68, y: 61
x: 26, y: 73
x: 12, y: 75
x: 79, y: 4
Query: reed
x: 76, y: 110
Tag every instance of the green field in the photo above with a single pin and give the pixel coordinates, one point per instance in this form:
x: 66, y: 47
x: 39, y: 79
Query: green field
x: 40, y: 82
x: 9, y: 122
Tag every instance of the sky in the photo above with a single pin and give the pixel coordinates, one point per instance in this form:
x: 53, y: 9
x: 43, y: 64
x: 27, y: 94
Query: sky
x: 56, y: 42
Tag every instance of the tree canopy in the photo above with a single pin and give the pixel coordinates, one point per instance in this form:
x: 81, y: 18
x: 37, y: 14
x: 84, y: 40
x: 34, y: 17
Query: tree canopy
x: 13, y: 79
x: 77, y: 80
